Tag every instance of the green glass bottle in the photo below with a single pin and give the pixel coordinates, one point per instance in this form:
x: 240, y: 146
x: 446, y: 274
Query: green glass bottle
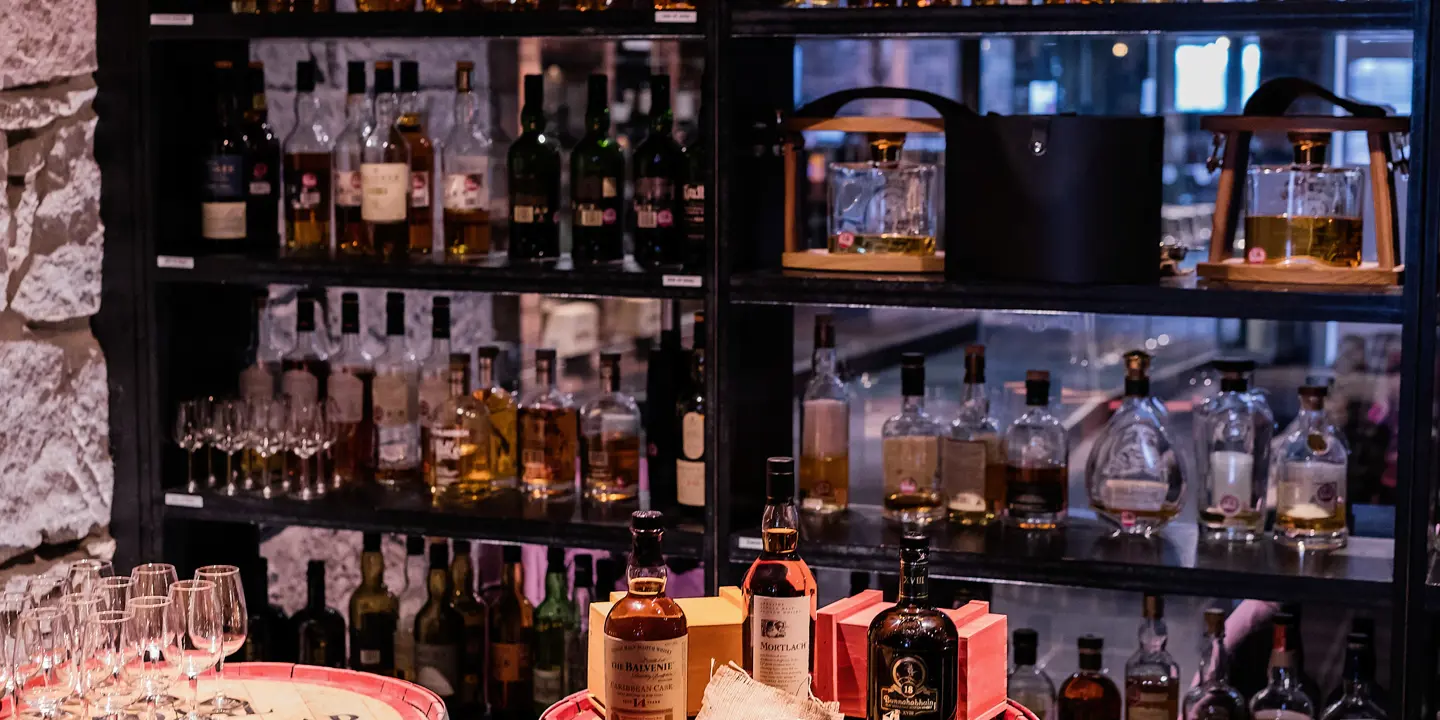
x: 554, y: 620
x: 512, y: 631
x: 373, y: 613
x: 658, y: 167
x: 534, y: 163
x: 597, y: 185
x: 438, y: 630
x: 471, y: 700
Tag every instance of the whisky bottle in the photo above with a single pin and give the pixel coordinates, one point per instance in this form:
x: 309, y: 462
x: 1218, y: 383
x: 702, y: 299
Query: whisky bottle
x: 658, y: 167
x: 779, y: 592
x: 352, y: 238
x: 971, y: 463
x: 474, y: 616
x: 434, y: 385
x: 577, y: 640
x: 1232, y: 448
x: 646, y: 637
x: 697, y: 177
x: 1152, y: 678
x: 824, y: 429
x: 500, y: 404
x: 262, y: 169
x: 307, y: 365
x: 1309, y: 469
x: 395, y: 404
x: 1037, y: 476
x: 307, y: 172
x: 597, y: 185
x: 374, y: 611
x: 438, y: 630
x: 554, y: 620
x: 1134, y: 474
x: 512, y: 632
x: 691, y: 453
x: 914, y: 648
x: 459, y: 470
x: 547, y: 433
x: 466, y: 162
x: 348, y: 389
x: 1214, y: 698
x: 612, y: 436
x: 910, y: 447
x: 222, y: 204
x: 1284, y: 698
x: 385, y: 173
x: 268, y: 637
x: 1028, y: 684
x: 412, y: 598
x: 263, y: 362
x: 664, y: 380
x: 319, y: 629
x: 411, y: 124
x: 534, y: 166
x: 1357, y: 701
x: 1089, y: 694
x: 1364, y: 626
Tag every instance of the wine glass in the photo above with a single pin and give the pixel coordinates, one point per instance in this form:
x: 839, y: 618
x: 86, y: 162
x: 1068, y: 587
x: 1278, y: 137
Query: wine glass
x: 84, y: 575
x: 80, y: 610
x: 152, y: 579
x: 43, y: 664
x: 194, y: 619
x: 228, y: 436
x: 114, y: 662
x: 190, y: 436
x: 157, y: 666
x: 114, y: 592
x: 206, y: 410
x: 265, y: 435
x: 11, y: 605
x: 45, y: 590
x: 234, y: 619
x: 305, y: 429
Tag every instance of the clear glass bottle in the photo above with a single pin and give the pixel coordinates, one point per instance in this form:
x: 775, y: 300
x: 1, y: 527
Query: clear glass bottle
x: 548, y: 433
x: 351, y: 238
x: 1028, y: 683
x: 1214, y: 698
x: 824, y: 429
x: 910, y: 444
x: 886, y: 205
x: 1233, y: 454
x: 972, y: 465
x: 1152, y: 678
x: 263, y: 360
x: 504, y: 414
x: 352, y: 375
x: 1309, y: 470
x: 412, y: 598
x: 613, y: 436
x: 396, y: 404
x: 1357, y: 702
x: 1134, y: 473
x: 307, y: 172
x: 1283, y: 698
x: 1306, y: 213
x: 459, y: 469
x: 385, y: 173
x: 466, y: 163
x: 1037, y: 457
x: 434, y: 384
x: 307, y: 365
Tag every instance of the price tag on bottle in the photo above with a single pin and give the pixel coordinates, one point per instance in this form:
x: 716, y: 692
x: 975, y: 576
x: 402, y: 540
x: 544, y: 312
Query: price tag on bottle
x: 184, y: 500
x: 172, y: 19
x: 681, y: 281
x: 174, y: 262
x: 684, y: 17
x: 751, y: 543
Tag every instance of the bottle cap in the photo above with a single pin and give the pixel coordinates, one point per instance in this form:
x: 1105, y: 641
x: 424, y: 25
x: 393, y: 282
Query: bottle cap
x: 384, y: 77
x: 487, y: 352
x: 415, y: 545
x: 912, y: 375
x: 440, y: 318
x: 1357, y: 641
x: 1137, y: 377
x: 780, y: 480
x: 305, y: 76
x: 824, y: 331
x: 1314, y: 391
x: 914, y: 541
x: 224, y: 65
x: 535, y: 89
x: 511, y: 554
x: 350, y: 313
x: 439, y: 555
x: 1037, y: 387
x: 1153, y: 607
x: 1026, y: 642
x: 355, y: 77
x: 372, y: 542
x: 647, y: 520
x: 1215, y: 621
x: 555, y: 559
x: 315, y: 571
x: 460, y: 547
x: 598, y: 92
x: 395, y: 313
x: 1091, y: 644
x: 409, y: 76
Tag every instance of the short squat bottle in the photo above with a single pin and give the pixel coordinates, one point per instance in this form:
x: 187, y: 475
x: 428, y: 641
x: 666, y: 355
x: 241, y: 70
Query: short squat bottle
x: 1037, y: 456
x: 1309, y: 471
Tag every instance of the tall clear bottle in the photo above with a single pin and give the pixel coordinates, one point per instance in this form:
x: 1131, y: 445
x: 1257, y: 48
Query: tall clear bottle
x: 411, y: 124
x: 412, y: 598
x: 348, y: 388
x: 396, y: 404
x: 1134, y: 473
x: 466, y: 163
x: 1233, y: 450
x: 385, y: 173
x: 351, y: 237
x: 1309, y: 469
x: 1284, y: 698
x: 1152, y: 678
x: 910, y: 445
x: 434, y: 385
x: 1214, y: 698
x: 972, y: 465
x: 825, y: 429
x: 548, y: 433
x: 1357, y: 702
x: 780, y: 592
x: 308, y: 172
x: 1037, y: 461
x: 1028, y: 683
x: 504, y: 445
x: 613, y: 436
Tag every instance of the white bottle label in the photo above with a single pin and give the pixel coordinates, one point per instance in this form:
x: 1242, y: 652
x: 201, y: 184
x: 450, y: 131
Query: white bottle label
x: 348, y: 392
x: 222, y: 220
x: 692, y: 435
x: 911, y: 464
x: 386, y: 188
x: 962, y: 469
x: 433, y: 391
x: 300, y: 386
x: 349, y: 188
x: 466, y: 192
x: 825, y: 428
x: 780, y: 640
x: 420, y: 189
x: 394, y: 421
x: 690, y: 474
x: 645, y: 680
x: 1310, y: 490
x: 1231, y: 481
x: 257, y: 383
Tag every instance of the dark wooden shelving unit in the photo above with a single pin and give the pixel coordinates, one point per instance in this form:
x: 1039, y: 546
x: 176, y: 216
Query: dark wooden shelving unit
x: 607, y: 25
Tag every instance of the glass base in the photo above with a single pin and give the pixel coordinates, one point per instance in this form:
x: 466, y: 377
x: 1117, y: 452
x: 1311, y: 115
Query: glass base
x: 548, y: 490
x: 818, y: 506
x: 971, y: 517
x: 1034, y: 520
x: 1304, y: 541
x: 915, y: 516
x: 1229, y: 534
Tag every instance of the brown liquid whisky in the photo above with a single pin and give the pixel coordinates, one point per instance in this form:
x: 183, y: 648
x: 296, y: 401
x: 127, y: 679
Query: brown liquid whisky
x: 1335, y: 241
x: 646, y: 636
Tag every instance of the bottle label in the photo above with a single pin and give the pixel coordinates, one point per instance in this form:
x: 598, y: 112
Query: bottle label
x: 911, y: 684
x: 508, y: 661
x: 300, y: 386
x: 349, y: 188
x: 257, y: 383
x: 598, y: 459
x: 420, y: 189
x: 223, y: 175
x: 307, y: 192
x: 386, y: 192
x: 826, y: 428
x: 654, y: 203
x: 393, y: 414
x: 609, y: 187
x: 1231, y: 479
x: 1310, y: 490
x: 259, y: 188
x: 548, y: 447
x: 371, y: 638
x: 780, y: 641
x: 695, y: 206
x: 466, y: 191
x: 911, y: 464
x: 549, y: 687
x: 1132, y: 495
x: 690, y: 468
x: 347, y: 391
x: 530, y: 209
x: 369, y: 657
x: 1151, y: 704
x: 437, y: 667
x: 963, y: 465
x: 445, y: 446
x: 434, y: 389
x: 590, y: 215
x: 222, y: 220
x: 645, y: 680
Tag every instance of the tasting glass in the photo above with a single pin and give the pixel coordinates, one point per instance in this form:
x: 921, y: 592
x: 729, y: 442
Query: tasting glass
x: 42, y: 662
x: 234, y: 620
x: 265, y: 434
x: 193, y: 618
x: 305, y: 429
x: 228, y: 436
x: 45, y: 590
x: 206, y: 411
x: 157, y: 665
x: 80, y: 610
x: 12, y: 604
x: 331, y: 435
x: 114, y: 592
x: 190, y: 436
x: 114, y: 663
x: 84, y: 576
x: 152, y: 579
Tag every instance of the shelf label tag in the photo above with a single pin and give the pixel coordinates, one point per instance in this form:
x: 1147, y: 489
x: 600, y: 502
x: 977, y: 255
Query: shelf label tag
x: 175, y: 262
x: 172, y: 19
x: 689, y: 17
x: 184, y: 500
x: 681, y: 281
x: 751, y: 543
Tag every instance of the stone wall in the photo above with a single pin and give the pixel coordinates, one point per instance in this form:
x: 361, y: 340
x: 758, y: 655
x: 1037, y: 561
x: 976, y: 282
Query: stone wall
x: 56, y: 476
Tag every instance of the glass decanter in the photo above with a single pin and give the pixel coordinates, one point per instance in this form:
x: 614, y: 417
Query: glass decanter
x: 1134, y: 474
x: 1305, y: 213
x: 885, y: 205
x: 1233, y: 453
x: 1309, y: 471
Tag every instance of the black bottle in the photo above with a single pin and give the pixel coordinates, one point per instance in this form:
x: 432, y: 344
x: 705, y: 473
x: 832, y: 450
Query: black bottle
x: 664, y: 379
x: 319, y: 630
x: 658, y: 167
x: 534, y: 165
x: 1363, y: 626
x: 914, y: 648
x: 267, y: 638
x: 262, y: 169
x: 222, y: 178
x: 597, y: 185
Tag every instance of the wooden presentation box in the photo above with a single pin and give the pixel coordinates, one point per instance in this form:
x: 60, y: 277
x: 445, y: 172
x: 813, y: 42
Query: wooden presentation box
x: 714, y: 624
x: 842, y: 655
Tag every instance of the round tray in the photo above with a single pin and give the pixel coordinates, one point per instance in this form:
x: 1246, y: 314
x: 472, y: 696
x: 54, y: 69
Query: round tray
x: 579, y: 707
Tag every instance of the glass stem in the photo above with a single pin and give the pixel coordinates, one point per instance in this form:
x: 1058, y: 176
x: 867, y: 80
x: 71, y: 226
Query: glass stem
x: 194, y: 695
x: 229, y: 468
x: 219, y: 682
x: 210, y: 467
x: 190, y: 467
x: 265, y: 472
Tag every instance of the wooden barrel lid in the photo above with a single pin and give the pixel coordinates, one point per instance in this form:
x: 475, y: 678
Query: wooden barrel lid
x: 579, y: 707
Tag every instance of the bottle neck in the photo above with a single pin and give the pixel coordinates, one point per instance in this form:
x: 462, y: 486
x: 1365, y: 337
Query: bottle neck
x: 973, y: 398
x: 1358, y: 673
x: 912, y: 403
x: 357, y: 110
x: 438, y: 583
x: 1137, y: 387
x: 1311, y: 418
x: 315, y: 595
x: 824, y: 361
x: 349, y: 343
x: 467, y: 109
x: 555, y: 582
x: 372, y: 570
x: 697, y: 367
x: 486, y: 368
x: 1213, y: 663
x: 386, y: 110
x: 914, y: 579
x: 307, y: 110
x: 440, y: 348
x: 581, y: 596
x: 609, y: 379
x: 395, y: 345
x: 597, y: 120
x: 646, y: 574
x: 662, y: 119
x: 532, y: 118
x: 410, y: 109
x: 461, y: 578
x: 512, y: 578
x: 1153, y: 635
x: 779, y: 527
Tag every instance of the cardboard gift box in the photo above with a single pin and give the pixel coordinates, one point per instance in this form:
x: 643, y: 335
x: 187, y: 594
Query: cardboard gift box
x: 714, y: 625
x: 842, y: 655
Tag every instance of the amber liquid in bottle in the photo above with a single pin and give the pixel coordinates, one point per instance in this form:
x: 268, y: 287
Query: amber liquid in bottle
x: 780, y: 592
x: 422, y: 163
x: 308, y: 231
x: 1089, y: 694
x: 503, y: 418
x: 549, y: 434
x: 646, y: 633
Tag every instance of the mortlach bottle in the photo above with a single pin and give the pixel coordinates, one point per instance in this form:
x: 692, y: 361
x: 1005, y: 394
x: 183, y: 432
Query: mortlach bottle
x: 780, y: 592
x: 914, y: 648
